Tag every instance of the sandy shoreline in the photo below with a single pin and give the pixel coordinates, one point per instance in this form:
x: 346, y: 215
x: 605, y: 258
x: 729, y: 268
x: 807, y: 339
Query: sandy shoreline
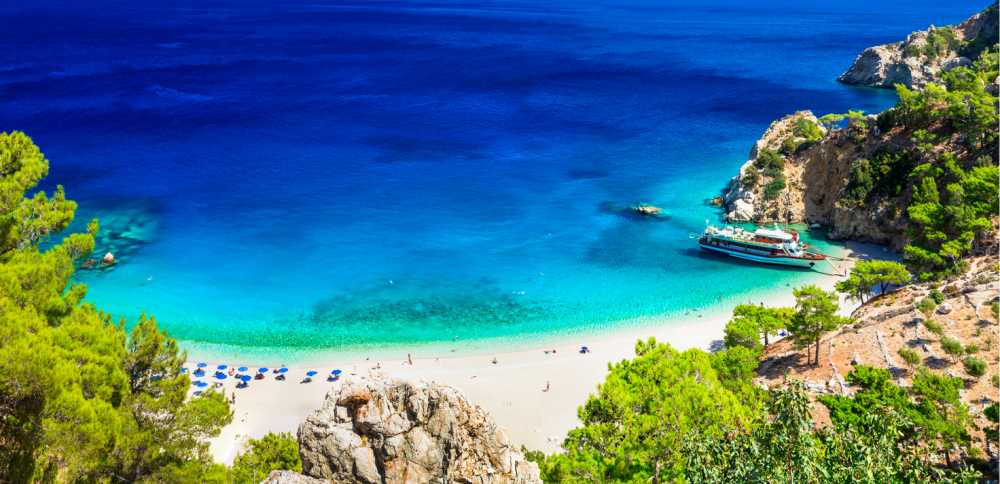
x: 510, y: 389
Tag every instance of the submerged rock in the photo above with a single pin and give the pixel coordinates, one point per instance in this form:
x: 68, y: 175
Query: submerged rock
x: 395, y: 431
x: 646, y: 209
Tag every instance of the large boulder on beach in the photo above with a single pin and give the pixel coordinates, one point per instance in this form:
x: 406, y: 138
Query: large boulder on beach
x: 396, y: 431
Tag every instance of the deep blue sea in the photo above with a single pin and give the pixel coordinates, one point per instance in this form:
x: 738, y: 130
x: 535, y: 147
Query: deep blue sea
x: 281, y: 176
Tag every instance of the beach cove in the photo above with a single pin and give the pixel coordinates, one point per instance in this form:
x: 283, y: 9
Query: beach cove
x: 532, y: 390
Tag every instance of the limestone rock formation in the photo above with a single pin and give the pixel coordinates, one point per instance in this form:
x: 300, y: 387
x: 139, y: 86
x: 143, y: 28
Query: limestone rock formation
x: 745, y: 197
x: 924, y: 55
x: 395, y: 431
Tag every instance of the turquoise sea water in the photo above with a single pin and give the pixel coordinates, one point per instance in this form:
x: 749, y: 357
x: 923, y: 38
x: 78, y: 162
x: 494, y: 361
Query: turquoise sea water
x: 279, y: 177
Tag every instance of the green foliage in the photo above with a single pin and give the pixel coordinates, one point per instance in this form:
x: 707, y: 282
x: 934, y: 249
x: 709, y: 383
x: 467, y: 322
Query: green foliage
x: 772, y: 165
x: 743, y: 332
x: 788, y: 448
x: 875, y: 390
x: 831, y: 120
x: 886, y: 175
x: 815, y: 314
x: 927, y: 306
x: 633, y: 427
x: 750, y: 179
x: 974, y: 366
x: 774, y: 187
x: 941, y: 416
x: 751, y: 324
x: 947, y: 182
x: 912, y: 358
x: 868, y: 275
x: 940, y: 42
x: 936, y: 296
x: 952, y: 346
x: 804, y: 134
x: 971, y: 349
x: 736, y: 367
x: 79, y: 400
x: 992, y: 413
x: 269, y: 453
x: 808, y: 130
x: 934, y: 326
x: 770, y: 162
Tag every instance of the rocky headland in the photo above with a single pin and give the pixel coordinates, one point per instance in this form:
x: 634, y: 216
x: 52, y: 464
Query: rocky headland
x: 393, y: 431
x: 925, y: 54
x: 848, y: 172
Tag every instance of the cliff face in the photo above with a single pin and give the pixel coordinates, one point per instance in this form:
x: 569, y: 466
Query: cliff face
x: 401, y: 432
x: 816, y: 172
x: 924, y: 55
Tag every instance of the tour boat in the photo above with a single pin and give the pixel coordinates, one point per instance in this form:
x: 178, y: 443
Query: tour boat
x: 770, y: 246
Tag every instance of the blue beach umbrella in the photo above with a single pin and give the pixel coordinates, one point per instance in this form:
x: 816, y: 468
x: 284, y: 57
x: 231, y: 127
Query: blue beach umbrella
x: 199, y: 372
x: 202, y: 365
x: 197, y: 393
x: 221, y: 376
x: 199, y: 384
x: 262, y: 370
x: 241, y: 369
x: 336, y: 372
x: 221, y: 367
x: 282, y: 370
x: 311, y: 373
x: 246, y: 377
x: 184, y: 370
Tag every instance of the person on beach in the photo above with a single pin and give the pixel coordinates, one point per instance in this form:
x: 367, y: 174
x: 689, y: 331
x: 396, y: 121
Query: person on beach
x: 547, y: 386
x: 409, y: 359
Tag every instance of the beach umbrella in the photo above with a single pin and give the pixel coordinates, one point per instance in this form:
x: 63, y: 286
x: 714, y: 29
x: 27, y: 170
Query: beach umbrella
x: 202, y: 365
x: 282, y: 370
x: 262, y: 370
x: 221, y: 376
x: 197, y: 393
x: 241, y: 369
x: 311, y: 373
x: 199, y: 372
x: 221, y: 367
x: 336, y: 372
x: 199, y: 384
x: 246, y: 377
x: 184, y: 370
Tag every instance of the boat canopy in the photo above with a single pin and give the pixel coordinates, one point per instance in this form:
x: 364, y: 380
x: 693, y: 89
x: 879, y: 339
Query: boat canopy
x: 773, y: 234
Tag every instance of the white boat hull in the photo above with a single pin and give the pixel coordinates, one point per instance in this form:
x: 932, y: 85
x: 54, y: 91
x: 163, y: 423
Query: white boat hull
x: 785, y: 261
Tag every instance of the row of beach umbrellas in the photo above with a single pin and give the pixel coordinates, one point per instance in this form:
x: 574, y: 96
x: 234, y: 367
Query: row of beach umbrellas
x: 199, y: 372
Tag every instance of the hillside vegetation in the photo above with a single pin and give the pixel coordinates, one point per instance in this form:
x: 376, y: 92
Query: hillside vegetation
x: 921, y: 176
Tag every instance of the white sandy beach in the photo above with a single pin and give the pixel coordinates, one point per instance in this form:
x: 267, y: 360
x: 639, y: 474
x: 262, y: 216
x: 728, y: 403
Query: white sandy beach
x: 511, y: 389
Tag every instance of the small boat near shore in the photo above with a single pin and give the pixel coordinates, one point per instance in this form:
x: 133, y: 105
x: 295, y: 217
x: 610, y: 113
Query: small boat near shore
x: 769, y: 246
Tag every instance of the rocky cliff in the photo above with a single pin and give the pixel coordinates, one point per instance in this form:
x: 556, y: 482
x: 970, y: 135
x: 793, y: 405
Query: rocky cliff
x: 798, y: 172
x: 924, y: 55
x: 393, y: 431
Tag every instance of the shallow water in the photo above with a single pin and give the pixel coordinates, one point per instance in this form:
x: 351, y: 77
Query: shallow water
x: 344, y: 175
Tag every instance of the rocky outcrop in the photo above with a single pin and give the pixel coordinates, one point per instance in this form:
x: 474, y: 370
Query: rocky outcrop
x: 924, y: 55
x: 746, y: 197
x: 393, y: 431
